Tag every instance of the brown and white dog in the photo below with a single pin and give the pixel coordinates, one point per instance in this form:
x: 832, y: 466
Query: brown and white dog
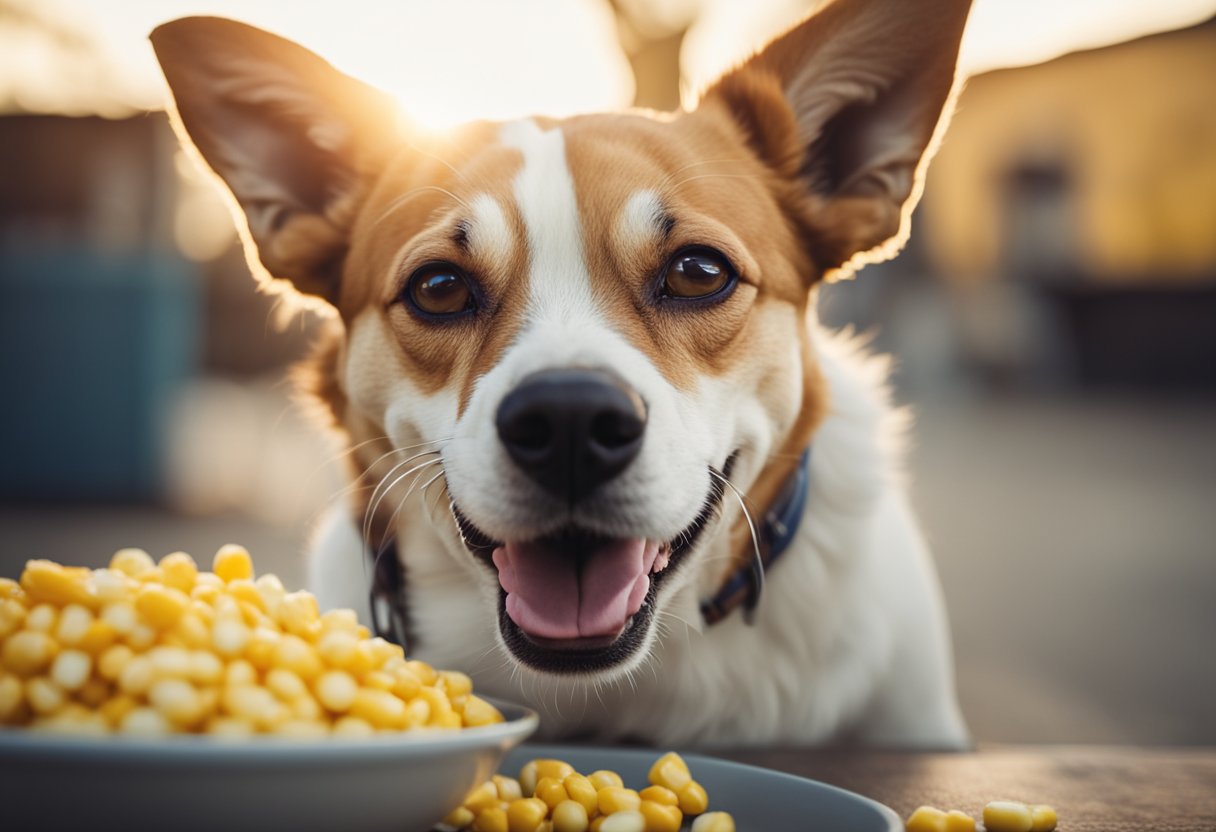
x: 563, y: 351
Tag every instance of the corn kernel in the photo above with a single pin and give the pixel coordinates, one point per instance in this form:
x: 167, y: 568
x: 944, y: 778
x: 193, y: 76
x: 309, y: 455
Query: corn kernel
x: 551, y: 791
x: 71, y: 669
x: 179, y: 571
x: 339, y: 620
x: 1042, y: 818
x: 28, y: 652
x: 1007, y: 816
x: 73, y: 624
x: 141, y: 637
x: 297, y: 655
x: 132, y: 562
x: 44, y: 581
x: 714, y: 822
x: 455, y: 683
x: 507, y: 787
x: 425, y: 673
x: 613, y: 799
x: 379, y: 707
x: 661, y: 817
x: 204, y: 668
x: 661, y: 795
x: 352, y: 726
x: 527, y: 776
x: 286, y: 685
x: 176, y: 699
x: 298, y: 613
x: 581, y: 791
x: 144, y: 722
x: 115, y: 710
x: 97, y: 637
x: 957, y: 821
x: 477, y: 711
x: 44, y: 696
x: 137, y: 676
x: 336, y: 690
x: 418, y: 712
x: 693, y: 799
x: 670, y: 771
x: 524, y: 814
x: 604, y: 778
x: 10, y: 589
x: 161, y: 606
x: 232, y: 562
x: 337, y: 648
x: 229, y: 636
x: 570, y: 816
x: 240, y: 672
x: 230, y: 727
x: 557, y: 769
x: 459, y: 818
x: 630, y: 820
x: 263, y: 645
x: 120, y: 616
x: 493, y: 819
x: 42, y: 618
x: 926, y: 819
x: 482, y: 797
x: 170, y: 661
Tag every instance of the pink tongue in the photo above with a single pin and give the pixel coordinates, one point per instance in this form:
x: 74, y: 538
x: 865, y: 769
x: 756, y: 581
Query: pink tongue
x: 548, y: 597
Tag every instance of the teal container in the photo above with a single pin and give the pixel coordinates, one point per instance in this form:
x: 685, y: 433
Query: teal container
x: 93, y: 346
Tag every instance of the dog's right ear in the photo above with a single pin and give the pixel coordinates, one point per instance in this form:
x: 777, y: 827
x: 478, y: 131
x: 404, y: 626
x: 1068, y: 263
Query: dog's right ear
x: 295, y: 140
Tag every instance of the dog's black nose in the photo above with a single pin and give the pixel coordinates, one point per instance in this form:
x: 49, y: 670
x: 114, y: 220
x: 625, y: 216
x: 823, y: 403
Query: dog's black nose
x: 571, y: 429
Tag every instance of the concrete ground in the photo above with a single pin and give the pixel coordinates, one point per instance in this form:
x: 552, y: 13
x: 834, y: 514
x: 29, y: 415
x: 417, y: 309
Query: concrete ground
x: 1076, y: 541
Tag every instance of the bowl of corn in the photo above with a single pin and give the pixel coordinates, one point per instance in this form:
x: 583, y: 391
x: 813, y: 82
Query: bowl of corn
x: 151, y: 694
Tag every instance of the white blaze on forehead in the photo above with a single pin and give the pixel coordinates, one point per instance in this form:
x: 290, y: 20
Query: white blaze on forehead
x: 559, y: 285
x: 489, y: 234
x: 641, y: 221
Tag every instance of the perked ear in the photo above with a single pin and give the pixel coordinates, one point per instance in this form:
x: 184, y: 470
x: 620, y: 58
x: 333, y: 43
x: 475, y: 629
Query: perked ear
x: 295, y: 140
x: 850, y: 102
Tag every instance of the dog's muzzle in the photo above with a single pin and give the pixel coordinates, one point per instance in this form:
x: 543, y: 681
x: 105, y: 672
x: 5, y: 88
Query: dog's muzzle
x: 572, y: 430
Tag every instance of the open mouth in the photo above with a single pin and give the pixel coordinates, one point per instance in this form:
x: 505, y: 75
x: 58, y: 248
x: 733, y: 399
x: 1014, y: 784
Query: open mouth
x: 576, y: 601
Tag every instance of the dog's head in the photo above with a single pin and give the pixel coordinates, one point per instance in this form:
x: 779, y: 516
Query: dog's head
x: 593, y: 322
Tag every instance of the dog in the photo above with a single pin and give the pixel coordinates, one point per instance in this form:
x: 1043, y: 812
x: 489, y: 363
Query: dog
x: 585, y: 399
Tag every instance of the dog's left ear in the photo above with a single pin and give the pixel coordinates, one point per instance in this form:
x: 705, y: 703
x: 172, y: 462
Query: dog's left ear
x: 296, y: 141
x: 849, y: 103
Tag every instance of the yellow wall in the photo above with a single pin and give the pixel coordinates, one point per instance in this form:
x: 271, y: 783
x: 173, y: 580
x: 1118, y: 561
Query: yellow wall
x: 1138, y: 123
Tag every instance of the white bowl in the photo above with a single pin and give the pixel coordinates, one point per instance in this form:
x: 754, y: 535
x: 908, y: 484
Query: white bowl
x: 402, y: 783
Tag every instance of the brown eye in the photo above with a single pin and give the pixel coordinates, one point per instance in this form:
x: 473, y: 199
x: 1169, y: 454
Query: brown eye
x: 440, y: 289
x: 697, y: 273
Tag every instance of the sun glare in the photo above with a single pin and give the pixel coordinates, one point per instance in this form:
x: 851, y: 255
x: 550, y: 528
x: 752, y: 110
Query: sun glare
x: 446, y: 62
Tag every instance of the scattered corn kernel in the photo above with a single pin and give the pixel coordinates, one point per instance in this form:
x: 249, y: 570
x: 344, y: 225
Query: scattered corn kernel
x: 147, y: 649
x: 1042, y: 818
x: 661, y: 817
x: 1007, y: 816
x: 507, y: 787
x: 525, y: 814
x: 570, y: 816
x: 714, y: 822
x: 926, y: 819
x: 670, y: 771
x: 613, y: 799
x: 491, y: 819
x: 580, y: 790
x: 692, y: 798
x: 604, y: 777
x: 957, y: 821
x: 630, y: 820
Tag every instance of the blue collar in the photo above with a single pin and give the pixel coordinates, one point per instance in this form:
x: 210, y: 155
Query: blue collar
x: 773, y: 536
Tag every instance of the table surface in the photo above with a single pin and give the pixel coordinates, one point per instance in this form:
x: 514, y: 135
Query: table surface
x: 1112, y: 789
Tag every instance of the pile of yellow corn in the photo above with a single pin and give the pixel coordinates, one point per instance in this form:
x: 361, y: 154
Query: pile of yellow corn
x: 550, y: 796
x: 999, y: 816
x: 145, y: 648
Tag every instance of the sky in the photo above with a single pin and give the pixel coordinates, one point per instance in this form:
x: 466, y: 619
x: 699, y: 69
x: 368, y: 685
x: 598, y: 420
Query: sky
x: 452, y: 60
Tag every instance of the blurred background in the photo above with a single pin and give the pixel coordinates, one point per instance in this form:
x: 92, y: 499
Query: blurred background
x: 1054, y: 317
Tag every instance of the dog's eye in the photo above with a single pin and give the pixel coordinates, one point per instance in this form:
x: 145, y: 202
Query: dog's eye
x: 697, y: 273
x: 440, y: 289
